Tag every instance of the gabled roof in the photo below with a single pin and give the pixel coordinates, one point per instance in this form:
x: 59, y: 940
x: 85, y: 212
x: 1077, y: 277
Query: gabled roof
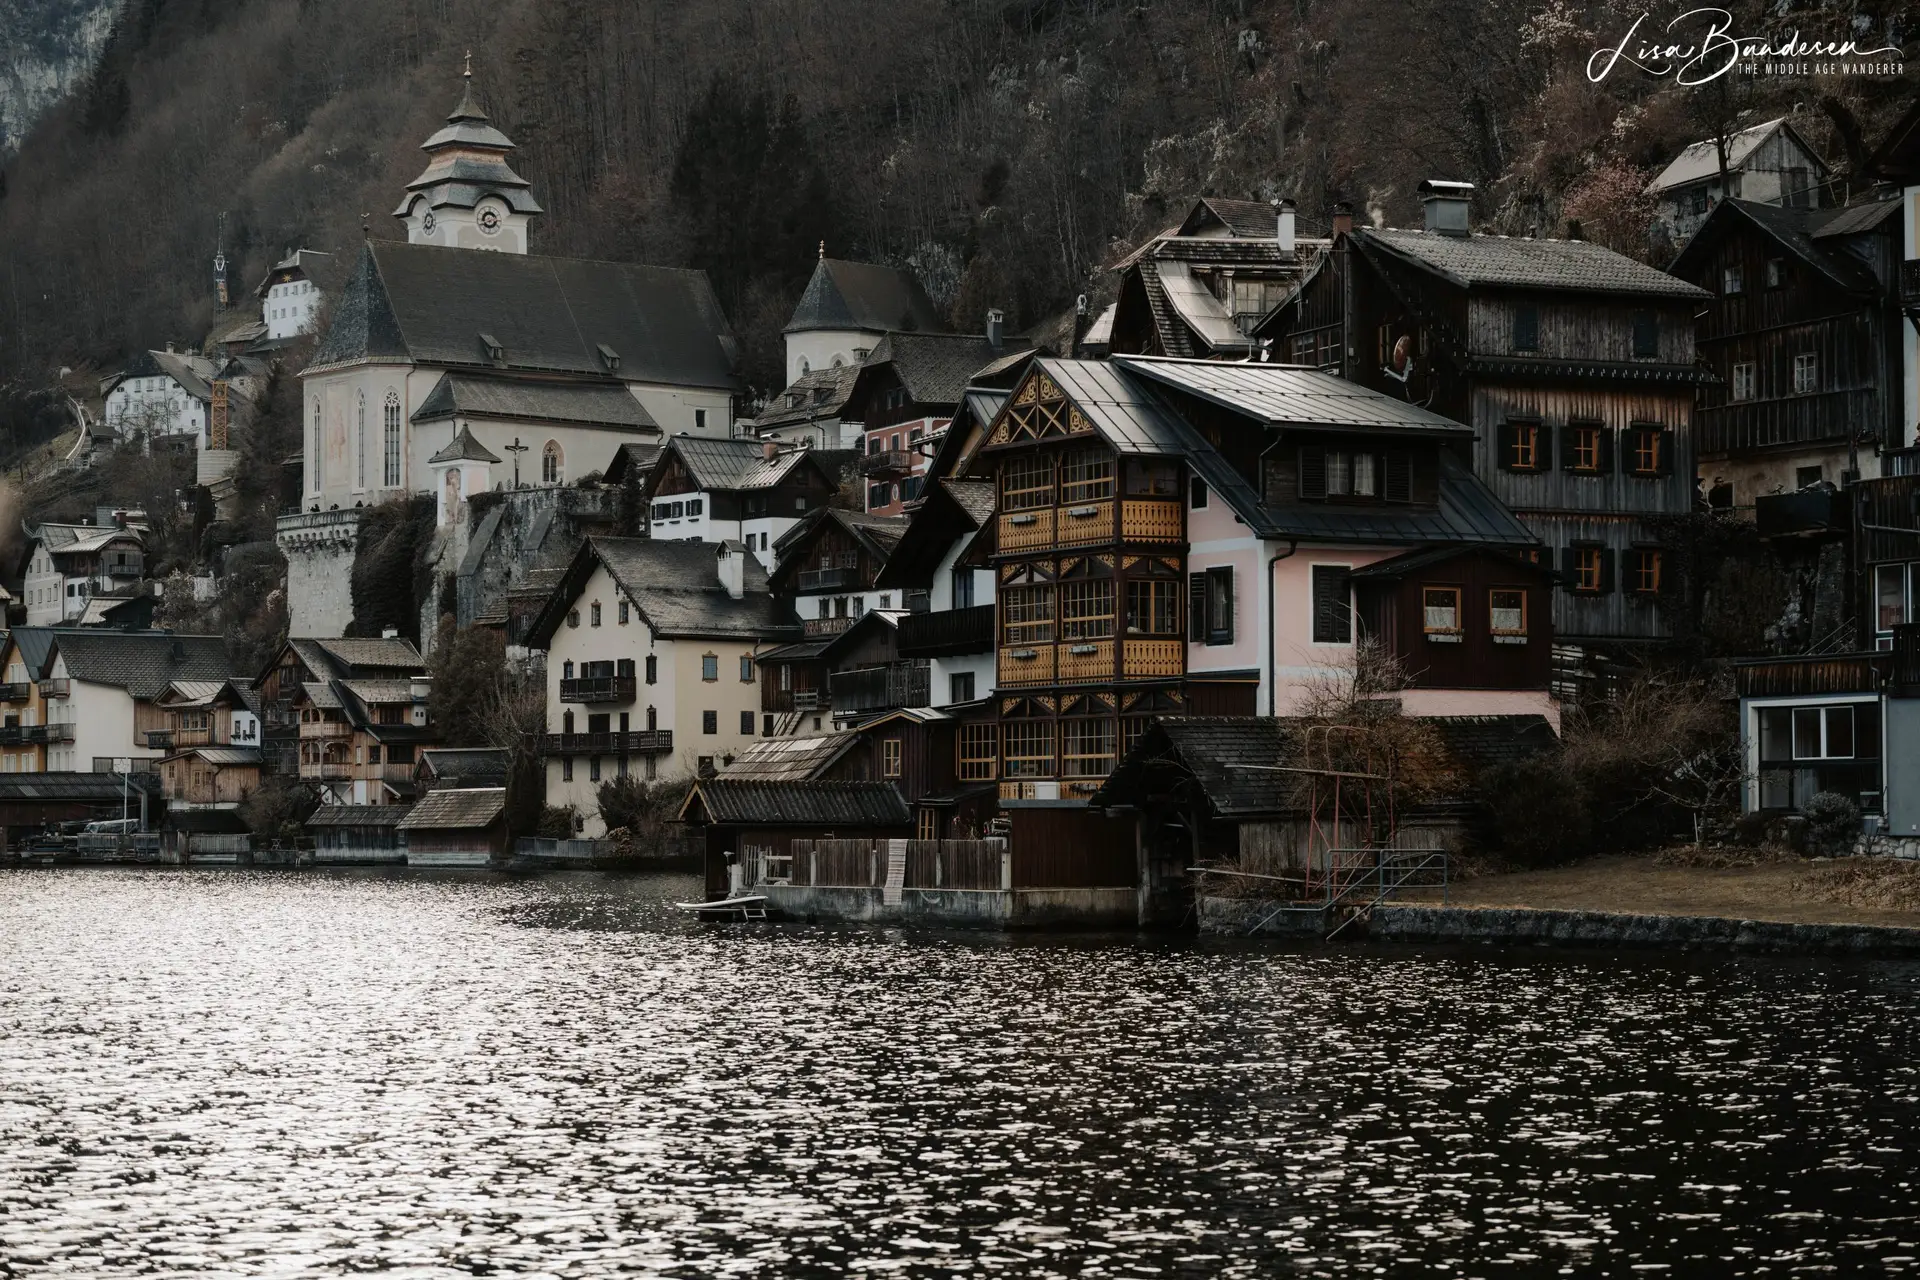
x: 789, y: 759
x: 815, y: 396
x: 345, y: 656
x: 795, y: 804
x: 1512, y: 262
x: 464, y: 448
x: 465, y: 766
x: 935, y: 368
x: 430, y: 304
x: 358, y: 815
x: 456, y: 809
x: 222, y: 757
x: 633, y: 461
x: 81, y: 539
x: 1795, y: 230
x: 734, y: 464
x: 1251, y: 219
x: 864, y: 295
x: 144, y: 663
x: 190, y: 371
x: 373, y: 692
x: 949, y: 511
x: 301, y: 262
x: 676, y: 587
x: 36, y: 647
x: 1294, y: 396
x: 879, y: 535
x: 605, y: 403
x: 201, y: 693
x: 1699, y: 161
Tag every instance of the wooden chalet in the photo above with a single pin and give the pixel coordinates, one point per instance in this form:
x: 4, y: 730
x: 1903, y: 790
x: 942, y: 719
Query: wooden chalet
x: 303, y: 661
x: 1573, y: 365
x: 829, y: 564
x: 751, y: 491
x: 1804, y: 334
x: 457, y: 827
x: 945, y: 563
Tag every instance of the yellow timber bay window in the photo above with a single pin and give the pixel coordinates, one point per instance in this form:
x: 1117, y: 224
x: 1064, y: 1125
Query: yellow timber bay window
x: 1026, y: 482
x: 1087, y: 750
x: 1029, y: 748
x: 1086, y: 475
x: 1028, y: 614
x: 979, y: 751
x: 1086, y: 609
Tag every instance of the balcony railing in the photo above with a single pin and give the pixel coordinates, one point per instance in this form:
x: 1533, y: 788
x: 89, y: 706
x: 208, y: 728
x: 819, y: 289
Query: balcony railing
x: 598, y: 689
x: 56, y: 687
x: 792, y: 700
x: 16, y: 691
x: 1910, y: 283
x: 159, y: 739
x: 1807, y: 513
x: 887, y: 462
x: 880, y: 688
x: 833, y: 579
x: 949, y: 632
x: 825, y: 626
x: 62, y: 732
x: 327, y: 771
x: 325, y: 729
x: 644, y: 742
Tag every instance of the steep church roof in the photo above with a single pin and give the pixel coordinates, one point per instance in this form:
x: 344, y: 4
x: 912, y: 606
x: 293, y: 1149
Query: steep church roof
x: 864, y: 295
x: 430, y: 304
x: 463, y: 448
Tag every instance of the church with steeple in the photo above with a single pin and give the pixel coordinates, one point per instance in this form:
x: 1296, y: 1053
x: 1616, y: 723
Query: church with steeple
x: 540, y: 368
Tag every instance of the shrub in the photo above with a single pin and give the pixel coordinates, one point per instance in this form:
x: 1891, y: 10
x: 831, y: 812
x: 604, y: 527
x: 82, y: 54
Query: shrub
x: 1538, y: 812
x: 645, y: 810
x: 1833, y: 822
x: 558, y: 822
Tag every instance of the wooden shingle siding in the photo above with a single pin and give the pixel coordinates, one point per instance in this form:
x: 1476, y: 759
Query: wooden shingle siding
x: 1618, y: 612
x: 1585, y: 329
x: 1553, y: 487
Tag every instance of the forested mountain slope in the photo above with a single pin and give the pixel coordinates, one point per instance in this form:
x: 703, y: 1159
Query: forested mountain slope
x: 1002, y: 148
x: 46, y: 47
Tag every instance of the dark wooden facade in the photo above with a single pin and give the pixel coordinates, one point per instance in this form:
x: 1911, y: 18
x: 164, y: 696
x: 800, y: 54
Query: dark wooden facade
x: 1543, y: 362
x: 919, y: 755
x: 1483, y: 645
x: 1803, y: 333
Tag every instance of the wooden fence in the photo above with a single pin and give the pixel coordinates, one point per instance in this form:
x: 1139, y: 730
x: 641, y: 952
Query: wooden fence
x: 862, y: 864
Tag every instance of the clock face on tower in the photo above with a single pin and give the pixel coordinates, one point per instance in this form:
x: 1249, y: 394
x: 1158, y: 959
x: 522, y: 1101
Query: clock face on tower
x: 427, y: 223
x: 489, y: 221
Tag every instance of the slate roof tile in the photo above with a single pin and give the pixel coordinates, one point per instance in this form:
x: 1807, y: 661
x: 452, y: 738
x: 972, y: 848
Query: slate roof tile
x: 799, y: 804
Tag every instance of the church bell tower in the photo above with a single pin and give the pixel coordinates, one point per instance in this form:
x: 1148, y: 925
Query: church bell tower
x: 468, y: 197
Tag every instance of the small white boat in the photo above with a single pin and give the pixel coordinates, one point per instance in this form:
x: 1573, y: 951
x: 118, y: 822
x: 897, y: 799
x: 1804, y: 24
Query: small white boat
x: 750, y: 906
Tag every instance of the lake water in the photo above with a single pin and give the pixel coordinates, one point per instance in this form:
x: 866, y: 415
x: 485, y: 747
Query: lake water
x: 241, y: 1073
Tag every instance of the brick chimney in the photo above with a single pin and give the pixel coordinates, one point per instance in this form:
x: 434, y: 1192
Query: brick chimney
x: 1342, y: 218
x: 770, y: 450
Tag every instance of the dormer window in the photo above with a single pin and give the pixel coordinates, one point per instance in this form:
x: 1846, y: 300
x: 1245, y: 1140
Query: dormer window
x: 609, y: 357
x: 495, y: 352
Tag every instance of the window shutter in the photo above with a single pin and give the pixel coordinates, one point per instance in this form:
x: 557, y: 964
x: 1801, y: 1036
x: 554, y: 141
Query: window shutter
x: 1313, y: 472
x: 1399, y: 477
x: 1569, y: 568
x: 1646, y: 334
x: 1196, y: 608
x: 1606, y: 571
x: 1569, y: 447
x: 1606, y: 449
x: 1505, y: 438
x: 1223, y: 583
x: 1666, y: 450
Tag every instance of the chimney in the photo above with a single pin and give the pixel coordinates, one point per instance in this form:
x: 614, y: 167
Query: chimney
x: 1574, y: 231
x: 733, y: 569
x: 1445, y: 204
x: 389, y: 633
x: 169, y: 348
x: 1283, y: 224
x: 1342, y: 218
x: 770, y: 450
x: 996, y: 320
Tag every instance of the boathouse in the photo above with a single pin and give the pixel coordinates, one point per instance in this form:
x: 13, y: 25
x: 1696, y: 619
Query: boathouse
x: 357, y: 834
x: 457, y: 827
x: 755, y: 820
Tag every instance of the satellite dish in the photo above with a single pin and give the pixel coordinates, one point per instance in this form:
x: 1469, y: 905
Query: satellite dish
x: 1403, y: 354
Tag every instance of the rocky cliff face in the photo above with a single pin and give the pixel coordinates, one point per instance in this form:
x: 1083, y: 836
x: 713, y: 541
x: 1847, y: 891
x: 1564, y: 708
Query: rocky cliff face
x: 46, y: 47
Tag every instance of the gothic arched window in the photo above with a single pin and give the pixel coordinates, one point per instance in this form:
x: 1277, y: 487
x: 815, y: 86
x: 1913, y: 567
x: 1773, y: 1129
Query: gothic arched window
x: 360, y: 442
x: 551, y: 467
x: 391, y: 468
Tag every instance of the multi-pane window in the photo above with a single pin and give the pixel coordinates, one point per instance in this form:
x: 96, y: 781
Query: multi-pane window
x: 1153, y: 478
x: 1743, y: 381
x: 1028, y: 614
x: 1440, y: 612
x: 1806, y: 373
x: 1351, y: 474
x: 709, y: 722
x: 1153, y: 607
x: 1584, y: 451
x: 1028, y: 745
x: 626, y: 612
x: 1526, y: 328
x: 593, y: 614
x: 710, y: 666
x: 1523, y: 446
x: 1648, y: 450
x: 1086, y: 609
x: 1026, y: 482
x: 1589, y: 569
x: 960, y: 686
x: 1087, y: 747
x: 890, y: 758
x: 1732, y: 281
x: 1643, y: 571
x: 1086, y: 475
x: 979, y: 749
x: 1507, y: 613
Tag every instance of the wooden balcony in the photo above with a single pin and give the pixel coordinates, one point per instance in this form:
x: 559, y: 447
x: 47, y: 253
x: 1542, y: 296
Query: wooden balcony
x: 948, y: 632
x: 178, y: 739
x: 1022, y: 665
x: 824, y: 626
x: 56, y: 687
x: 841, y: 577
x: 590, y: 689
x: 1026, y: 530
x: 898, y: 684
x: 643, y: 742
x: 327, y: 771
x: 1151, y: 520
x: 887, y: 462
x: 1084, y: 524
x: 325, y: 729
x: 1081, y: 662
x: 1154, y: 659
x: 772, y: 699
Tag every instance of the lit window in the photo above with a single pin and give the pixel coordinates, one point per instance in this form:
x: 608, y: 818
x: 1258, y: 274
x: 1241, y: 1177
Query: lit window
x: 890, y: 758
x: 1523, y: 446
x: 1441, y: 612
x: 1644, y: 571
x: 1507, y: 613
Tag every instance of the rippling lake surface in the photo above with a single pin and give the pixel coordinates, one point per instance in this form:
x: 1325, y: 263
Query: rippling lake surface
x: 240, y: 1074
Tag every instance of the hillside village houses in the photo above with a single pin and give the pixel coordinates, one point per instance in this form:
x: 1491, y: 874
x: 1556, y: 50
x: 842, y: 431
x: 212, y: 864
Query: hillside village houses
x: 163, y: 398
x: 737, y: 490
x: 290, y: 299
x: 68, y: 567
x: 1766, y: 163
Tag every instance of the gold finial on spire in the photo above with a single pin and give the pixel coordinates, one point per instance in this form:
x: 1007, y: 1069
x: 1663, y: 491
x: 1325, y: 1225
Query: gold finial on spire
x: 468, y: 73
x: 823, y: 249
